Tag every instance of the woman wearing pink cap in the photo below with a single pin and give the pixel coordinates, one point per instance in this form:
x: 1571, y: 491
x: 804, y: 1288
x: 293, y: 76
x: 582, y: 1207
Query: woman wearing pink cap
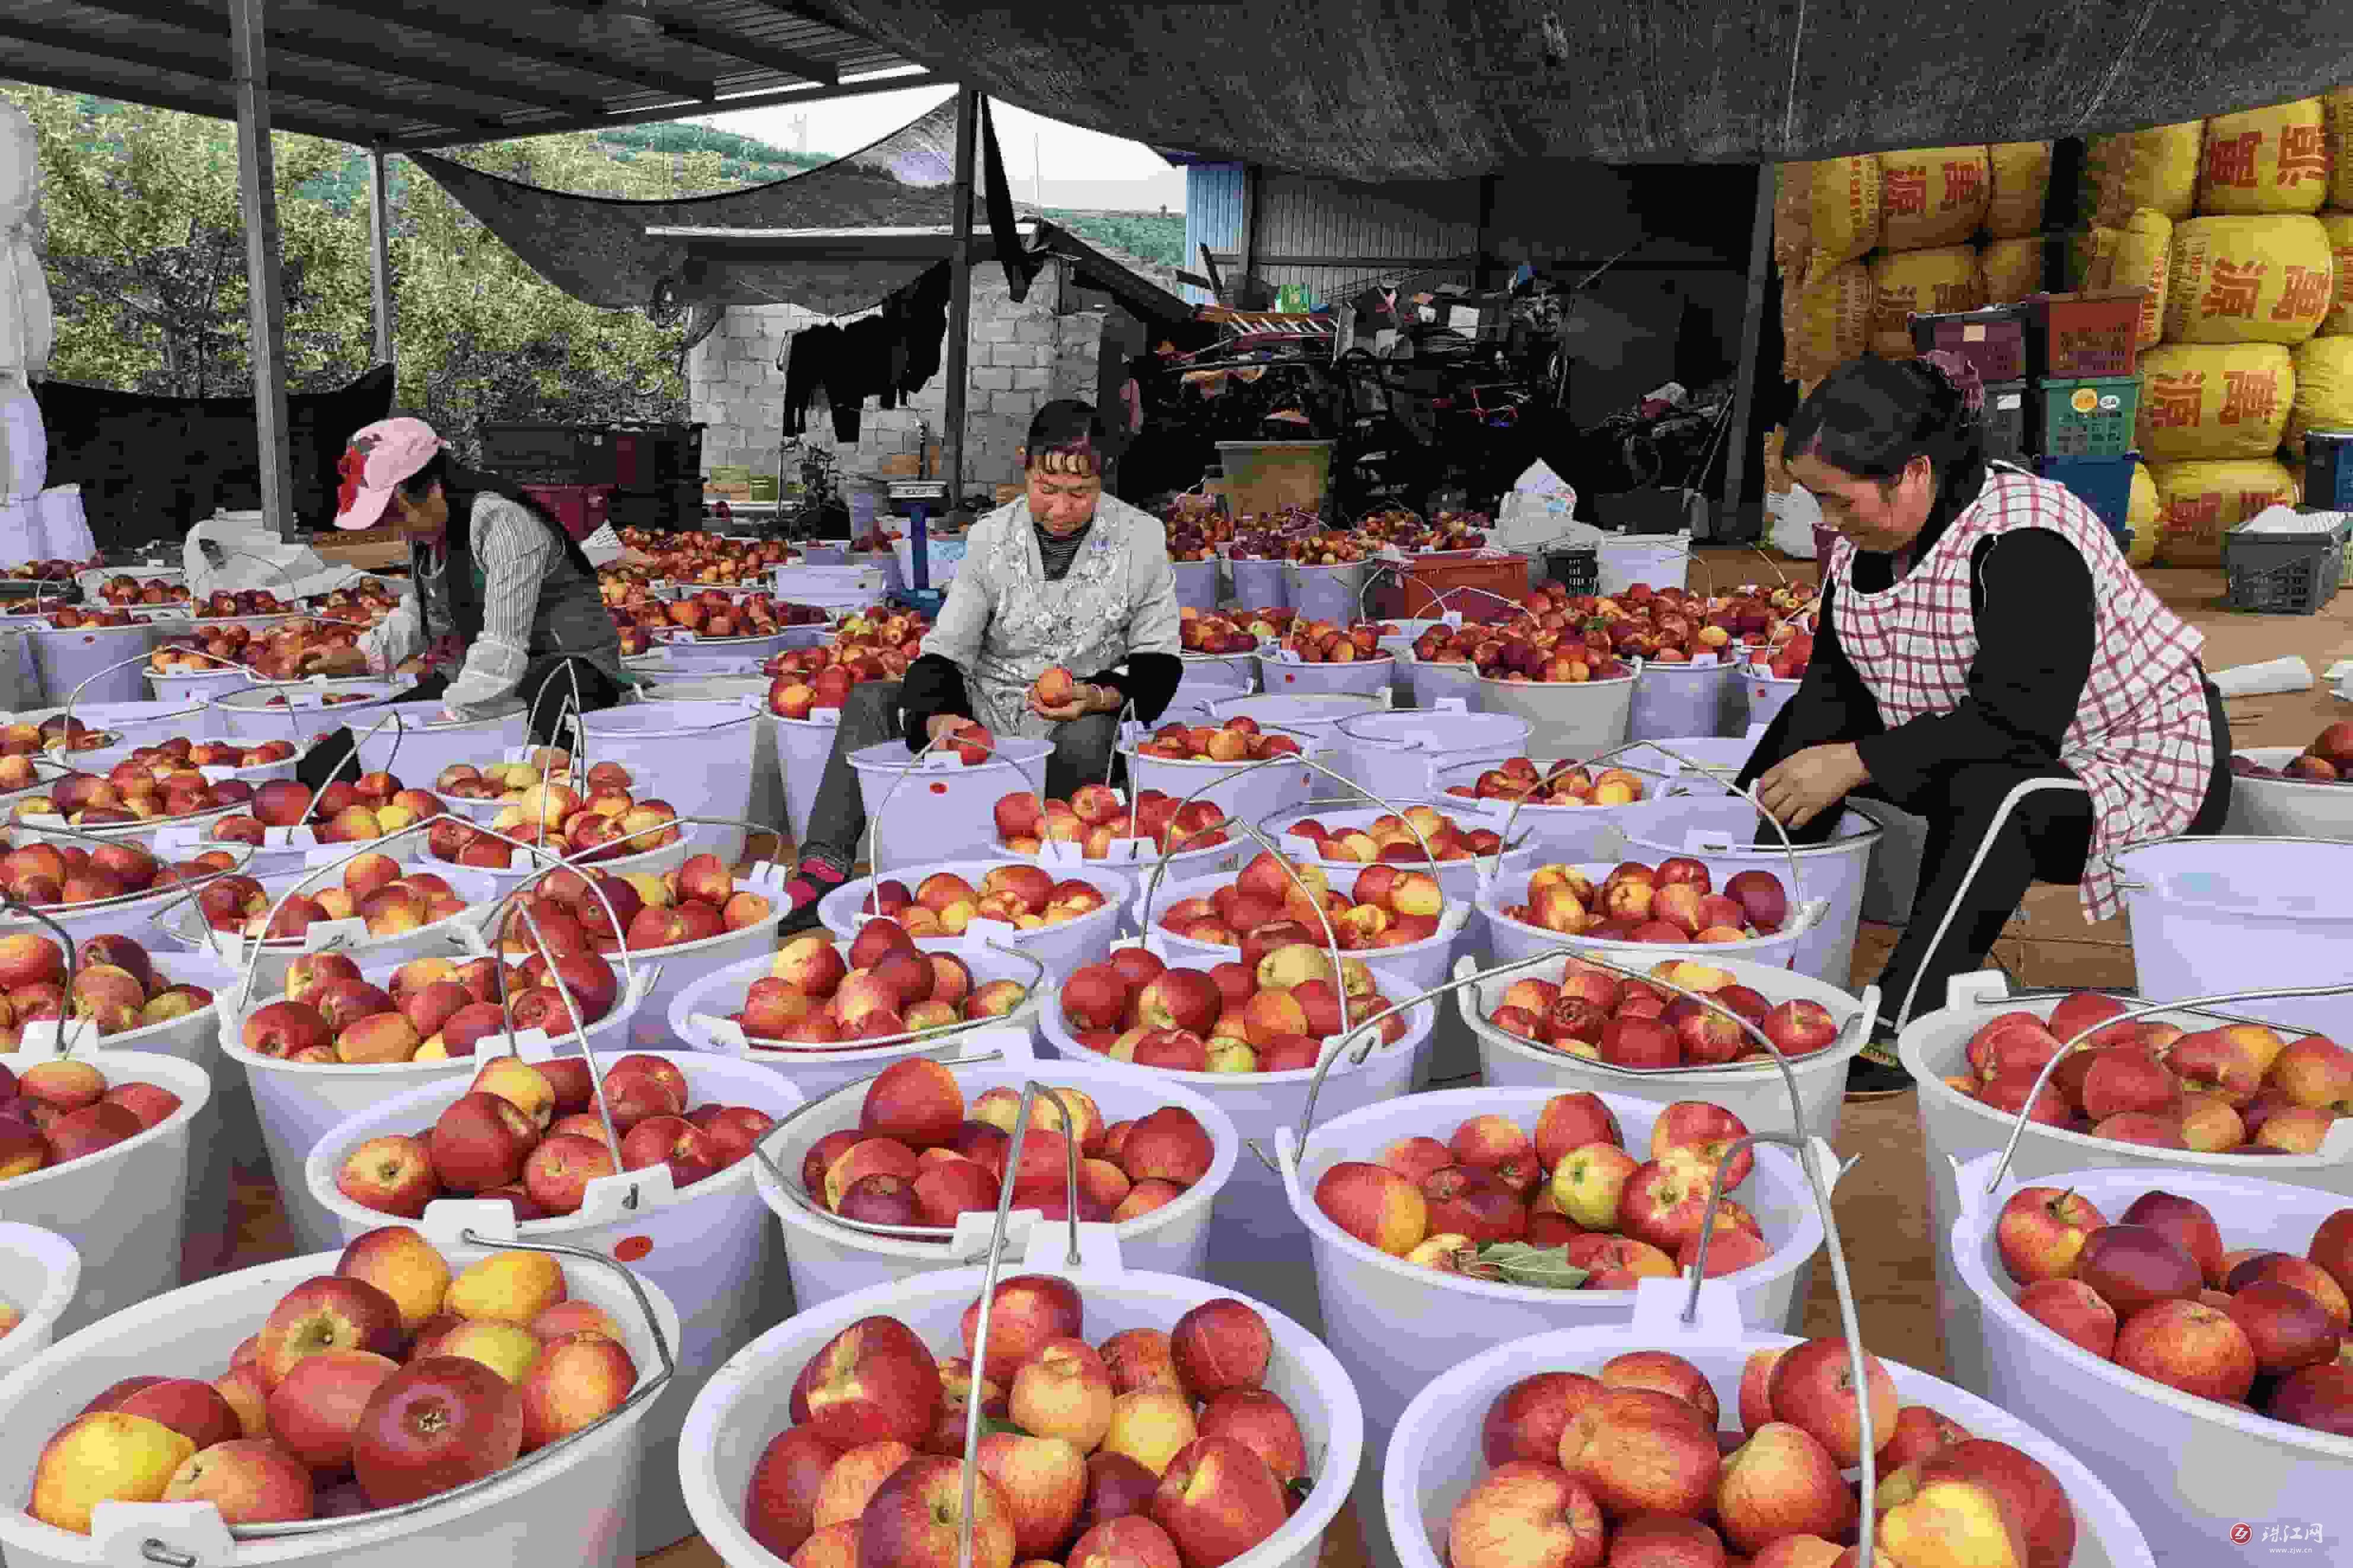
x: 503, y: 608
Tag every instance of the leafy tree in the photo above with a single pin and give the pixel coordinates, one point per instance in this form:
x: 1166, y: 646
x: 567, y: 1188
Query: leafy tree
x: 1148, y: 237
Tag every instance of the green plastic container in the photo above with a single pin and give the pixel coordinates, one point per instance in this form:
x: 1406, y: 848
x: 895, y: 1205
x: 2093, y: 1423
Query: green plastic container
x: 2089, y: 418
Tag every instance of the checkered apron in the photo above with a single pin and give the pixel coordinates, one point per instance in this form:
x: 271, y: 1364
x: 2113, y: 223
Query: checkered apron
x: 2141, y: 741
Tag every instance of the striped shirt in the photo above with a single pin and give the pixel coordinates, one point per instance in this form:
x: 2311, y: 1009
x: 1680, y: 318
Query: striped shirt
x: 513, y: 551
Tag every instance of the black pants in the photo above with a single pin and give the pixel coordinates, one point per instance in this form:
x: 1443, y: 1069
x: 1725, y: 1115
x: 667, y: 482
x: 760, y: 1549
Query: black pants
x: 547, y: 689
x: 1083, y: 750
x: 2046, y: 838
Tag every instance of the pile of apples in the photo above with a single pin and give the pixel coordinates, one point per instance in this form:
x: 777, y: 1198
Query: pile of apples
x: 943, y: 904
x: 1562, y: 783
x: 1264, y: 536
x: 1674, y: 902
x: 1630, y: 1023
x: 1449, y: 530
x: 1569, y: 1184
x: 128, y: 591
x: 877, y: 539
x: 348, y: 811
x: 250, y: 602
x: 1195, y: 526
x: 363, y: 604
x: 133, y: 791
x: 46, y: 571
x: 701, y: 557
x: 713, y: 613
x: 1273, y: 1015
x: 434, y: 1010
x: 2329, y: 760
x: 888, y: 987
x: 1219, y: 632
x: 1094, y: 818
x: 376, y: 889
x: 1784, y: 660
x: 510, y: 781
x: 1326, y: 642
x: 55, y: 1112
x: 1159, y: 1449
x: 608, y: 824
x: 116, y: 985
x: 920, y: 1155
x: 1389, y: 838
x: 693, y: 901
x: 89, y: 618
x: 871, y: 646
x: 56, y: 733
x: 1627, y: 1465
x: 2238, y: 1089
x: 2157, y: 1293
x: 392, y: 1380
x: 1262, y: 909
x: 1238, y: 739
x: 529, y: 1133
x: 45, y: 875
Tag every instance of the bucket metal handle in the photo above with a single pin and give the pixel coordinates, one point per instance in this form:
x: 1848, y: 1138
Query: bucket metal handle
x: 874, y: 818
x: 188, y: 888
x: 2135, y: 884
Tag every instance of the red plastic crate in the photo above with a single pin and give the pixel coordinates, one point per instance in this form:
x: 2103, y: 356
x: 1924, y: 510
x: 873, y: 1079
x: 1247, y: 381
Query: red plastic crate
x: 2082, y: 337
x: 1412, y: 593
x: 579, y: 508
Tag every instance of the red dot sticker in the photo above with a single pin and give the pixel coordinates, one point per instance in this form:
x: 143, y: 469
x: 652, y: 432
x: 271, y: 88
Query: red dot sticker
x: 939, y: 789
x: 629, y: 1248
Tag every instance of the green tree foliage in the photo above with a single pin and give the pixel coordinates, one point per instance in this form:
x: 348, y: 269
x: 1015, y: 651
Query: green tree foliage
x: 1148, y: 237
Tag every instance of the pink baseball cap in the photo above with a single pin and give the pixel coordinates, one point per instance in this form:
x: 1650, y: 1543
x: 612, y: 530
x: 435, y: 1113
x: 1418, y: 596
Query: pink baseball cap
x: 379, y: 458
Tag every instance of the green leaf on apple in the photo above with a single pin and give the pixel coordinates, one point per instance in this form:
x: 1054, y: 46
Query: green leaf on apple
x: 1517, y: 1263
x: 997, y: 1426
x: 1300, y: 1487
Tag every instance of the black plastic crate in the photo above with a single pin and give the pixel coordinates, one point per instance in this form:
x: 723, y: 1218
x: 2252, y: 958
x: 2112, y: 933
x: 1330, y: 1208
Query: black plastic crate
x: 2006, y: 421
x: 654, y: 457
x: 545, y: 454
x: 2281, y: 574
x: 1579, y: 571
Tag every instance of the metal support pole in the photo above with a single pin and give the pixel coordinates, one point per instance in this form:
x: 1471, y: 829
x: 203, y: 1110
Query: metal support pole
x: 256, y: 181
x: 380, y: 256
x: 1752, y: 326
x: 1253, y: 188
x: 960, y: 288
x: 1482, y: 262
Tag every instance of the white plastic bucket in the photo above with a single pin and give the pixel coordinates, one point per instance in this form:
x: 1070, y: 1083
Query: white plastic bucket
x: 694, y: 838
x: 194, y: 689
x: 455, y: 937
x: 2287, y: 808
x: 1326, y: 593
x: 2187, y: 1469
x: 746, y: 1405
x: 1549, y: 833
x: 67, y: 659
x: 1403, y: 752
x: 1567, y: 718
x: 936, y: 808
x: 1254, y: 1237
x: 1512, y: 940
x: 1358, y: 677
x: 1718, y: 756
x: 1060, y: 947
x: 42, y: 1270
x: 1421, y: 964
x: 1227, y: 674
x: 1765, y: 694
x: 695, y: 652
x: 1720, y: 832
x: 1196, y: 584
x: 132, y: 724
x: 1754, y: 1091
x: 1434, y: 682
x: 133, y: 915
x: 1661, y: 559
x: 411, y: 746
x: 709, y: 1247
x: 1461, y: 880
x: 829, y: 1260
x: 247, y: 713
x: 1956, y: 1130
x: 1260, y: 584
x: 1311, y: 714
x: 1435, y: 1457
x: 701, y: 752
x: 125, y: 1209
x: 803, y: 746
x: 1684, y: 699
x: 676, y: 969
x: 2211, y: 916
x: 572, y: 1507
x: 1245, y: 792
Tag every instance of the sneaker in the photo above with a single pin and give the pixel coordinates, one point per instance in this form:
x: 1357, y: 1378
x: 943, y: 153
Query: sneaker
x: 813, y: 879
x: 1877, y: 1073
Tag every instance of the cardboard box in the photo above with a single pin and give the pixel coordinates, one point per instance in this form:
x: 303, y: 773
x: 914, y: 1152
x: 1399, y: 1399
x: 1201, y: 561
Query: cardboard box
x: 901, y: 466
x: 728, y: 474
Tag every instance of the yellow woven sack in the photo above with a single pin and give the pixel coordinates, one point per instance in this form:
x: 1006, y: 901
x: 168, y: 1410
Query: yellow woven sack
x: 1826, y: 320
x: 2201, y: 401
x: 2271, y: 160
x: 2248, y: 280
x: 2141, y: 515
x: 1919, y: 282
x: 2155, y: 168
x: 2339, y: 226
x: 2324, y: 390
x: 1932, y: 197
x: 2198, y: 504
x: 2020, y: 173
x: 2012, y: 269
x: 1825, y: 212
x: 2336, y: 114
x: 2142, y: 258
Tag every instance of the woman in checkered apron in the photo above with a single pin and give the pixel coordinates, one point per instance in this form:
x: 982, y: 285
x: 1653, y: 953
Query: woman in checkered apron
x: 1987, y: 660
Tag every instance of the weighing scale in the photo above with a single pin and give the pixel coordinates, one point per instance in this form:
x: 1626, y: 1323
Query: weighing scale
x: 915, y: 500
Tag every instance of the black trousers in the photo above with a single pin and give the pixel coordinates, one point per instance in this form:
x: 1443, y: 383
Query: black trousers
x: 547, y: 689
x: 1978, y: 863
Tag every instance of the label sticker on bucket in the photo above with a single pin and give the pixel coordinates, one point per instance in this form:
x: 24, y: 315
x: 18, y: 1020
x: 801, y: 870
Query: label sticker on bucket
x: 990, y: 930
x: 325, y: 936
x: 630, y: 1248
x: 1705, y: 843
x: 1451, y: 705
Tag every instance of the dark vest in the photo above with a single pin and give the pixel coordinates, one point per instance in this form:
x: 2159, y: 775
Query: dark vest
x: 570, y: 618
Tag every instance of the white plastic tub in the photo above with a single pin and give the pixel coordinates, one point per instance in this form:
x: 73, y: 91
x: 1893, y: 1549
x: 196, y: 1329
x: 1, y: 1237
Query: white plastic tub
x: 701, y: 752
x: 1691, y: 698
x: 746, y: 1405
x: 1245, y: 792
x: 1196, y: 584
x: 803, y: 746
x: 1255, y: 1240
x: 125, y: 1209
x: 195, y: 689
x: 247, y: 713
x: 708, y: 1246
x: 2211, y: 916
x: 1550, y: 833
x: 1358, y: 677
x: 410, y: 746
x: 676, y: 969
x: 2188, y: 1469
x: 572, y: 1507
x: 1956, y: 1129
x: 1421, y: 964
x: 1567, y: 718
x: 1325, y: 592
x: 1260, y: 584
x: 454, y: 937
x: 938, y: 807
x: 1214, y: 676
x: 1433, y: 681
x: 2287, y: 808
x: 1060, y: 947
x: 1767, y: 694
x: 134, y: 914
x: 1721, y: 831
x: 693, y: 838
x: 42, y: 1270
x: 830, y: 1260
x: 1402, y: 754
x: 1461, y: 879
x: 1435, y: 1456
x: 1302, y: 716
x: 1754, y: 1091
x: 1661, y: 559
x: 81, y: 658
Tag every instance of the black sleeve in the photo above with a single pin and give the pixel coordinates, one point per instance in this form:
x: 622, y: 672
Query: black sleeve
x: 1831, y: 704
x: 1150, y: 682
x: 2033, y: 594
x: 932, y: 686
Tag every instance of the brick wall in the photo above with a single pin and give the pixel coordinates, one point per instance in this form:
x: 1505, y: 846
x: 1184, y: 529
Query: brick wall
x: 1022, y: 356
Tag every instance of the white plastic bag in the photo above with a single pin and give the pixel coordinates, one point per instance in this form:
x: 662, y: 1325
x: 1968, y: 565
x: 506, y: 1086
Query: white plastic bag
x: 1792, y: 515
x: 1537, y: 512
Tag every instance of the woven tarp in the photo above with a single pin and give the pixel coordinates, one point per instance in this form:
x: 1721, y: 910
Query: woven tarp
x: 1394, y: 89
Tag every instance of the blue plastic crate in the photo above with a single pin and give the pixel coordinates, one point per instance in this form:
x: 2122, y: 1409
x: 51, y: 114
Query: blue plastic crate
x: 2104, y: 484
x: 2329, y: 470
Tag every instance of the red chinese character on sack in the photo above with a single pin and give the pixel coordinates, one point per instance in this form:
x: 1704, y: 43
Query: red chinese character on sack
x: 1906, y: 192
x: 2230, y: 160
x: 1962, y: 296
x: 2235, y: 290
x: 1963, y: 182
x: 2189, y: 513
x: 2252, y: 501
x: 2306, y: 295
x: 2303, y: 155
x: 2248, y: 395
x: 2173, y: 400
